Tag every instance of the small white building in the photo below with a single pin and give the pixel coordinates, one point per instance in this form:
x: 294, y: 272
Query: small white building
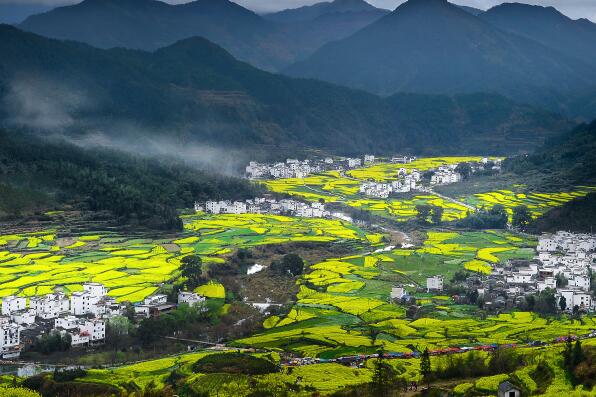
x: 23, y: 317
x: 574, y: 298
x: 190, y: 298
x: 13, y: 303
x: 354, y: 162
x: 398, y: 292
x: 95, y: 328
x: 50, y: 306
x: 10, y: 339
x: 434, y: 283
x: 369, y: 158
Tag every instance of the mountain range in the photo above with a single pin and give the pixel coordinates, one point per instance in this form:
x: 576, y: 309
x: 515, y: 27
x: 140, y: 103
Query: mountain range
x: 310, y: 27
x: 196, y: 91
x: 270, y: 42
x: 432, y: 46
x: 530, y: 54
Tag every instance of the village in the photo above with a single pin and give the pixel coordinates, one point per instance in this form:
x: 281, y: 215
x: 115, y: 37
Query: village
x: 294, y: 168
x: 564, y: 264
x: 264, y: 205
x: 407, y: 180
x: 81, y: 317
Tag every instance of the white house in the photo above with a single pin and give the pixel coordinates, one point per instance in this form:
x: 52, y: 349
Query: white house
x: 190, y: 298
x: 23, y: 317
x: 369, y: 158
x: 354, y: 162
x: 397, y: 292
x: 10, y: 339
x: 13, y: 303
x: 95, y: 328
x: 157, y: 299
x: 50, y: 306
x: 574, y: 298
x: 434, y: 283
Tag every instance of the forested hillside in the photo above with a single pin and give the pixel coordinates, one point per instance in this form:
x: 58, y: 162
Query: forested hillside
x: 38, y: 174
x: 196, y: 91
x: 568, y: 159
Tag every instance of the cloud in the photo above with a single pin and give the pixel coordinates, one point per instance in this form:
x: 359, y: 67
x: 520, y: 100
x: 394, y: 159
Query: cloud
x: 60, y: 110
x: 42, y: 104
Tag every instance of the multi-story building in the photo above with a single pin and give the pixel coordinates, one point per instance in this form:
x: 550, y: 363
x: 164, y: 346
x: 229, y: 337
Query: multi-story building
x: 13, y: 303
x: 10, y: 339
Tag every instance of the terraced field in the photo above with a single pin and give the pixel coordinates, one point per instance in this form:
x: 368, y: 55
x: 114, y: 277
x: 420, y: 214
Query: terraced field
x: 343, y: 304
x: 133, y: 268
x: 337, y: 187
x: 537, y: 203
x: 329, y: 377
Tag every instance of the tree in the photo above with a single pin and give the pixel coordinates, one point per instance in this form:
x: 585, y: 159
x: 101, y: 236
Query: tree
x: 425, y: 368
x: 117, y: 331
x: 561, y: 280
x: 568, y: 354
x: 437, y: 214
x: 290, y: 264
x: 499, y: 215
x: 578, y: 354
x: 382, y: 379
x: 562, y: 303
x: 423, y: 212
x: 521, y: 217
x: 191, y: 267
x: 293, y: 264
x: 464, y: 169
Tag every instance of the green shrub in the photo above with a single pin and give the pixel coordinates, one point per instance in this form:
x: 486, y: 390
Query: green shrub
x: 236, y: 363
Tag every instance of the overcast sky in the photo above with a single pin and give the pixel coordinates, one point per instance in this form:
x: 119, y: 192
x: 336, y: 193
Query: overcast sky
x: 573, y: 8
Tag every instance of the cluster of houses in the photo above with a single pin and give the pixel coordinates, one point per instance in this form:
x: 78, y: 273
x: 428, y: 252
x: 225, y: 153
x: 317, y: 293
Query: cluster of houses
x: 294, y: 168
x: 405, y: 183
x: 563, y: 263
x: 445, y: 175
x: 262, y: 205
x: 83, y: 316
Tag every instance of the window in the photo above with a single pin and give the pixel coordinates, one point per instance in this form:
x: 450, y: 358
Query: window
x: 512, y: 393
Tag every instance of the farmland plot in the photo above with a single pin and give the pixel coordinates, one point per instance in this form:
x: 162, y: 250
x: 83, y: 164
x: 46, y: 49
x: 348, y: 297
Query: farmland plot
x: 133, y: 268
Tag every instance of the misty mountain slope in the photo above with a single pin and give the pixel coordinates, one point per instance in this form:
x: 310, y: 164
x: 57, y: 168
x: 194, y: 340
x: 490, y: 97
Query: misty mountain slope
x: 548, y: 26
x: 151, y: 24
x: 194, y: 91
x: 432, y: 46
x: 37, y: 174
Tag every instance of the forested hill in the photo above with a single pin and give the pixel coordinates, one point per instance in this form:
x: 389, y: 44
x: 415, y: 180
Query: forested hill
x: 578, y: 216
x: 568, y: 159
x: 39, y: 174
x: 196, y: 91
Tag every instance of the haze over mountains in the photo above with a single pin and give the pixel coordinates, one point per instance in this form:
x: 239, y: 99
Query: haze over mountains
x: 530, y: 54
x: 196, y: 91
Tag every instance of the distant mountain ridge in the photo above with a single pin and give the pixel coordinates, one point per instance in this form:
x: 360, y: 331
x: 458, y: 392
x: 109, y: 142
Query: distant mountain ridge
x: 151, y: 24
x: 267, y: 42
x: 432, y: 46
x: 311, y: 12
x: 546, y: 25
x: 196, y: 91
x: 310, y: 27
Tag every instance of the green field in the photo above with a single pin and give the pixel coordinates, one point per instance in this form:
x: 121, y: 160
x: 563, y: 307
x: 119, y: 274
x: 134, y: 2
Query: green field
x: 132, y: 268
